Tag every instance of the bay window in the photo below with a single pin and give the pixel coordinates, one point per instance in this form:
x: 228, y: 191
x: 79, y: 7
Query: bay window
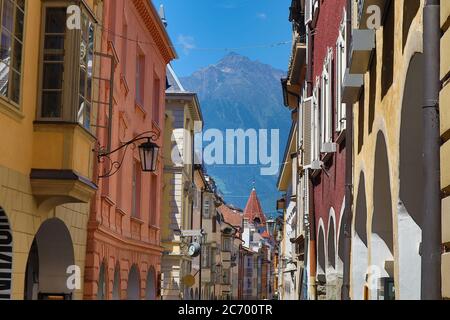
x: 67, y: 64
x: 12, y: 14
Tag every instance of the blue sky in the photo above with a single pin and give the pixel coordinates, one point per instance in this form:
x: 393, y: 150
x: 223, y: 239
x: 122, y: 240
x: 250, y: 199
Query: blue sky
x: 202, y: 29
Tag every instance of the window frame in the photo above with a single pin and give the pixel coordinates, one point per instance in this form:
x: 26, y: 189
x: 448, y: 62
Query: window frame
x: 341, y: 66
x: 71, y: 77
x: 139, y: 92
x: 136, y: 190
x: 326, y: 103
x: 156, y: 101
x: 16, y: 106
x: 316, y: 120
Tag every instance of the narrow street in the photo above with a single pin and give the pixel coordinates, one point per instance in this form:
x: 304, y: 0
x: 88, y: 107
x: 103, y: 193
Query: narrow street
x: 198, y: 151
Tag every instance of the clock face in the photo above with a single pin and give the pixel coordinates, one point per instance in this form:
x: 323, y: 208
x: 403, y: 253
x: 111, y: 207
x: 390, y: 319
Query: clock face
x: 194, y: 250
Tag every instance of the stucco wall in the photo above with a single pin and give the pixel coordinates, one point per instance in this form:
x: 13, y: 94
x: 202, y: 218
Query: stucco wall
x: 387, y: 122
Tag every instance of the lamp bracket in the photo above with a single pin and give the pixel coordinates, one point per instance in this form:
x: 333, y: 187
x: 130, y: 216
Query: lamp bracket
x: 111, y: 167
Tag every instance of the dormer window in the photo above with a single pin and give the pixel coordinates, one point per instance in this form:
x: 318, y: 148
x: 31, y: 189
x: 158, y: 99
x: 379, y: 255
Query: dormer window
x: 67, y: 67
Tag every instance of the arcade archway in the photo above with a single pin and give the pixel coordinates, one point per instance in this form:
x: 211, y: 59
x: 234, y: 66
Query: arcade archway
x: 50, y: 259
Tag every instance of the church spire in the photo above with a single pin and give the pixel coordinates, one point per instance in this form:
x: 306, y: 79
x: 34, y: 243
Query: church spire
x: 253, y: 210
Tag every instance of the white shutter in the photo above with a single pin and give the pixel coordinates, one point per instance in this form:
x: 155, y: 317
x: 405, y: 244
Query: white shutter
x: 316, y: 124
x: 307, y: 131
x: 306, y: 198
x: 329, y: 96
x: 308, y: 11
x: 341, y: 65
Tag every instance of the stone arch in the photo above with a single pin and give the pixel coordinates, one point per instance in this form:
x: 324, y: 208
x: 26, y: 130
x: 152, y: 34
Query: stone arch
x: 134, y: 284
x: 50, y: 257
x: 411, y: 199
x: 340, y: 242
x: 359, y: 242
x: 150, y: 290
x: 6, y: 256
x: 331, y: 257
x: 321, y: 261
x: 116, y: 283
x: 382, y: 236
x: 331, y: 241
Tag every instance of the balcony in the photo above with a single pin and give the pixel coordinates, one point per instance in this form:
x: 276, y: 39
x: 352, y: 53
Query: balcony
x: 445, y: 169
x: 445, y: 276
x: 351, y: 87
x: 446, y: 221
x: 63, y: 163
x: 298, y: 63
x: 363, y: 44
x: 445, y: 116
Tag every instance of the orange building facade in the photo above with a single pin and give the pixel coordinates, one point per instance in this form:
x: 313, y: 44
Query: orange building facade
x: 123, y: 258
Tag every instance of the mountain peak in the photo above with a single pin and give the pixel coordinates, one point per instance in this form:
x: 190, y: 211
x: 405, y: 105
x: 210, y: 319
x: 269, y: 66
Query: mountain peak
x: 233, y: 57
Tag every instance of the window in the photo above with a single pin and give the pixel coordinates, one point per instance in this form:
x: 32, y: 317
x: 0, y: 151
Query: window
x: 214, y: 224
x: 136, y: 190
x: 213, y: 259
x: 140, y: 77
x: 67, y: 96
x: 11, y: 46
x: 153, y: 199
x: 53, y: 63
x: 226, y: 244
x: 326, y: 105
x: 206, y: 258
x: 226, y: 275
x: 315, y: 148
x: 86, y: 65
x: 206, y: 211
x: 341, y: 66
x: 156, y: 99
x: 123, y: 61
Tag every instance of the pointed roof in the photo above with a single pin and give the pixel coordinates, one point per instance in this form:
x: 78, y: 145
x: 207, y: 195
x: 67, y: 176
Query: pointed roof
x: 253, y: 210
x: 174, y: 83
x: 265, y: 234
x: 231, y: 216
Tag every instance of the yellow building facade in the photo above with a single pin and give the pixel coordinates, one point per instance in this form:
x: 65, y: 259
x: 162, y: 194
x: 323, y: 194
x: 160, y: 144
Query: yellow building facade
x: 46, y: 160
x: 445, y: 149
x: 182, y: 115
x: 388, y: 141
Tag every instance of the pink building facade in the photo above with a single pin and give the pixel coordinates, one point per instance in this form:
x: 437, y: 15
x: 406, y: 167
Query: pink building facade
x: 123, y: 258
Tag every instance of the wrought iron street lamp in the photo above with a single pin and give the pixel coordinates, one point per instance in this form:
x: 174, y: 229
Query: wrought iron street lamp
x: 271, y: 225
x: 148, y: 154
x: 281, y: 204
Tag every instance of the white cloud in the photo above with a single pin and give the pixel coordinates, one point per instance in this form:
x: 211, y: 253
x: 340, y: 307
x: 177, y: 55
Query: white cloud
x: 261, y: 15
x: 186, y: 42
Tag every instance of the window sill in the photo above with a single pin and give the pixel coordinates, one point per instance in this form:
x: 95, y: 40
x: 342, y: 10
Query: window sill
x: 140, y: 108
x: 137, y: 220
x: 341, y: 137
x: 123, y: 81
x: 11, y: 110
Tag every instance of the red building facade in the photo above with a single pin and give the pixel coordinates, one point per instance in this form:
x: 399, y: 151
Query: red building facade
x: 123, y: 258
x: 328, y: 183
